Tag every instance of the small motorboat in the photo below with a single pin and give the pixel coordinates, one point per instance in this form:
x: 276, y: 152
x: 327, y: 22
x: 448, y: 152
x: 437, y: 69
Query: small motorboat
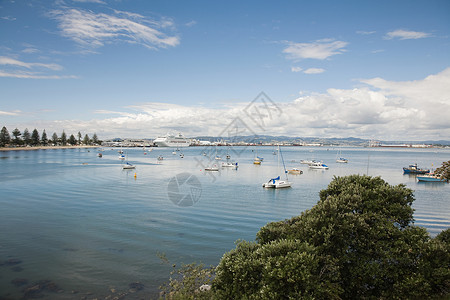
x: 318, y: 165
x: 295, y: 171
x: 212, y: 168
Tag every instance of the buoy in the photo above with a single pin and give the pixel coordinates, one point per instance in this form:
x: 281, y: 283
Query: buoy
x: 135, y: 175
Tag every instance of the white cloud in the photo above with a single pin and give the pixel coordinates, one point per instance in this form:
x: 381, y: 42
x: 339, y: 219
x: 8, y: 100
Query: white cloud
x: 27, y: 70
x: 90, y: 1
x: 191, y: 23
x: 14, y: 62
x: 314, y: 71
x: 296, y: 69
x: 320, y: 49
x: 406, y: 34
x: 94, y: 30
x: 382, y: 109
x: 9, y: 113
x: 362, y: 32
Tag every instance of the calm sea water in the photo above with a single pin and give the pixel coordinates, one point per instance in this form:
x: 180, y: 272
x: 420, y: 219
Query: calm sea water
x: 92, y: 228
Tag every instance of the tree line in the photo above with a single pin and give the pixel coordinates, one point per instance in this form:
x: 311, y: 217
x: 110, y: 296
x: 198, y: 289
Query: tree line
x: 25, y: 138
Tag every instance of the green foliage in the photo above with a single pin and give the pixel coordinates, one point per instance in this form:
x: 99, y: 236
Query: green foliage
x: 16, y: 134
x: 55, y: 139
x: 359, y: 241
x: 26, y: 136
x: 86, y: 140
x: 63, y: 138
x: 444, y: 170
x: 35, y: 138
x: 186, y: 281
x: 5, y: 139
x: 72, y: 140
x: 44, y: 139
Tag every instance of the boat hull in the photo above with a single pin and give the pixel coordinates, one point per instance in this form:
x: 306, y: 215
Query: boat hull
x: 277, y: 184
x: 430, y: 179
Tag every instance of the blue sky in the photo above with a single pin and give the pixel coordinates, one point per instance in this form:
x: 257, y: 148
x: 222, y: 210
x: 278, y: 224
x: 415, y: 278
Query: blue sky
x: 142, y: 68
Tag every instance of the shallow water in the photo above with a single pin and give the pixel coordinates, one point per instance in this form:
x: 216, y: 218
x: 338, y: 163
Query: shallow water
x: 89, y: 226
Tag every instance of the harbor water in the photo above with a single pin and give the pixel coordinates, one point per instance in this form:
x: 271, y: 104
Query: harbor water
x: 93, y: 229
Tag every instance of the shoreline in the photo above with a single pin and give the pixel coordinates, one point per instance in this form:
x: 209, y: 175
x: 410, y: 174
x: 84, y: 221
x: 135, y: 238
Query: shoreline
x: 44, y: 148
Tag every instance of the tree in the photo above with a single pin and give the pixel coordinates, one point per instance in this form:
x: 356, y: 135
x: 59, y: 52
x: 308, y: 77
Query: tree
x: 95, y: 139
x: 55, y: 139
x: 72, y: 140
x: 35, y: 138
x: 26, y: 136
x: 444, y: 170
x: 79, y: 138
x: 44, y: 139
x: 17, y: 140
x: 86, y: 140
x: 5, y: 139
x: 359, y: 241
x: 63, y: 138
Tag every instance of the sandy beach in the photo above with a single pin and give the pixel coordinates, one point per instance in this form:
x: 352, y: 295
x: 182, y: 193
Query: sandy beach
x: 44, y: 148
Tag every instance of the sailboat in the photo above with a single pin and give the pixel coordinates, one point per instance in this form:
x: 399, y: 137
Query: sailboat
x: 257, y: 160
x: 128, y: 166
x: 341, y: 159
x: 278, y: 183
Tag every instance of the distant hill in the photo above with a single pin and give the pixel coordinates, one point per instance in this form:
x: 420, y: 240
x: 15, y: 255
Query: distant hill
x: 325, y: 141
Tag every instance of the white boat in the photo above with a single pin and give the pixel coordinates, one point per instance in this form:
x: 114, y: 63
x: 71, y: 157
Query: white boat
x: 295, y: 171
x: 318, y: 165
x: 308, y: 161
x: 229, y: 165
x: 431, y: 178
x: 212, y: 168
x: 340, y: 158
x: 170, y: 140
x: 122, y: 157
x: 278, y: 183
x: 181, y: 155
x: 128, y: 166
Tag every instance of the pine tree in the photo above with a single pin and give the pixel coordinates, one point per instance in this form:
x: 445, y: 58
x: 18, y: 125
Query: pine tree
x: 26, y: 137
x: 55, y: 139
x: 17, y: 140
x: 63, y: 138
x: 86, y: 140
x: 72, y: 140
x: 35, y: 139
x: 79, y: 138
x: 95, y: 139
x: 5, y: 139
x: 44, y: 139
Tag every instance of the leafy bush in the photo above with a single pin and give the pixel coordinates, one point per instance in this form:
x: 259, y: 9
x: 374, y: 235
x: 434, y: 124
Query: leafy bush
x: 358, y: 242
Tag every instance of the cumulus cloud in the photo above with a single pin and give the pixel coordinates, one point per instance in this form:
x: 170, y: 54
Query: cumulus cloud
x: 296, y: 69
x: 91, y: 29
x: 381, y: 109
x: 406, y: 34
x: 320, y: 49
